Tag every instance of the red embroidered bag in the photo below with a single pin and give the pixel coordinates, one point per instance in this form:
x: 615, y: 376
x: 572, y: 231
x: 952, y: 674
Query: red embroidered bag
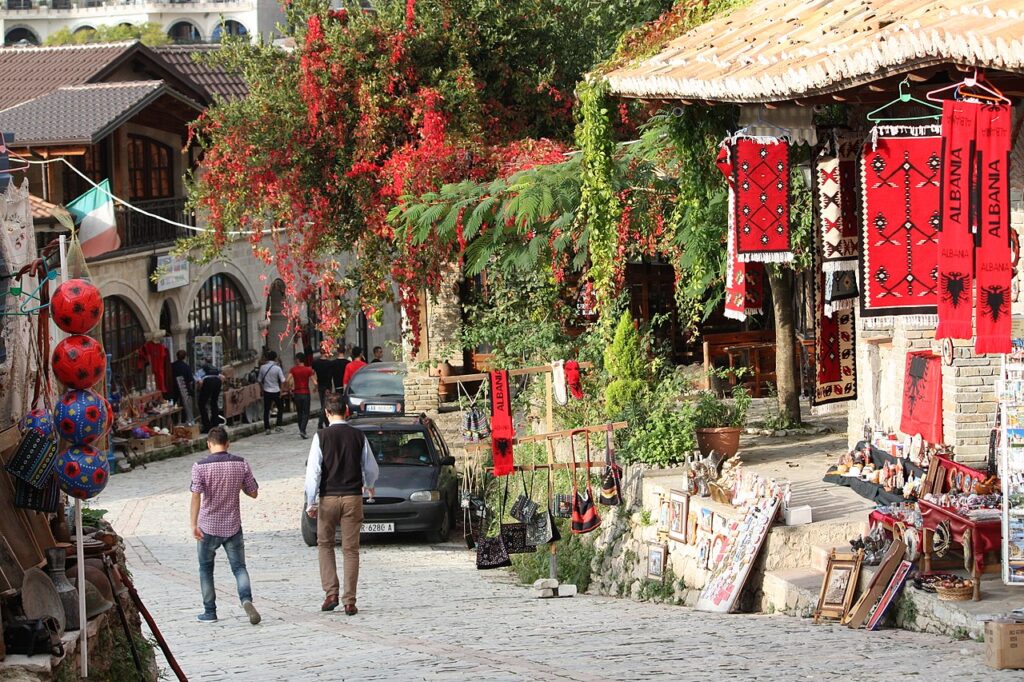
x: 584, y: 512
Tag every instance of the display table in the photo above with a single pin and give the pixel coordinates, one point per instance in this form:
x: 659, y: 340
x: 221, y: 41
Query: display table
x: 163, y: 419
x: 873, y: 491
x: 976, y: 537
x: 237, y: 399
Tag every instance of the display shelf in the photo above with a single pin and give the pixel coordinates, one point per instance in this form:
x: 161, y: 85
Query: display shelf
x: 1010, y: 392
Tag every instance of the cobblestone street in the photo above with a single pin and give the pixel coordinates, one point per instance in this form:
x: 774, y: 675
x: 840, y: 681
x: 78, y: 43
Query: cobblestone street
x: 426, y: 613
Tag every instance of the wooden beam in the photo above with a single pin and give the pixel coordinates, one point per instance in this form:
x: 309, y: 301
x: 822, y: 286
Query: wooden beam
x: 599, y: 428
x: 522, y: 371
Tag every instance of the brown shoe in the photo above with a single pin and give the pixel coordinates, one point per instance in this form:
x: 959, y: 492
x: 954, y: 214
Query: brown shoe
x: 330, y: 603
x: 351, y: 610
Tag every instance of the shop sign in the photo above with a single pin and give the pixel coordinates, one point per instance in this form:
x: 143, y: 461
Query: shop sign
x: 173, y: 271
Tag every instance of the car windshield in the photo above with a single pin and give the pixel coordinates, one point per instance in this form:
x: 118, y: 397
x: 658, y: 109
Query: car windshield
x: 371, y: 382
x: 395, y: 448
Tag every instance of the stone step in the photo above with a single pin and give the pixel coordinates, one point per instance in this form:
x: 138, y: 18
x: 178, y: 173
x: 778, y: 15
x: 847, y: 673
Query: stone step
x: 793, y: 591
x: 819, y: 557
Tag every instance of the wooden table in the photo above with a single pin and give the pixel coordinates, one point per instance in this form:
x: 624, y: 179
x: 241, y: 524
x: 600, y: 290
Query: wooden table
x: 977, y: 538
x: 237, y: 399
x: 753, y: 351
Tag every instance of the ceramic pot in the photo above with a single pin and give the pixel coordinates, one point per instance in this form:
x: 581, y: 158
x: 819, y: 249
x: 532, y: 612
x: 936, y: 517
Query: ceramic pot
x: 724, y: 440
x: 55, y: 559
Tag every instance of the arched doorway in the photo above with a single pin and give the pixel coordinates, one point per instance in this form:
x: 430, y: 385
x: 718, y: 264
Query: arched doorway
x: 184, y: 32
x: 123, y: 336
x: 278, y: 325
x: 21, y: 36
x: 219, y: 310
x: 228, y: 27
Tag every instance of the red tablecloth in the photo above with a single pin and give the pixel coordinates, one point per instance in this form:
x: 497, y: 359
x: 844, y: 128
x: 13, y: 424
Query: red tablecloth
x: 986, y: 536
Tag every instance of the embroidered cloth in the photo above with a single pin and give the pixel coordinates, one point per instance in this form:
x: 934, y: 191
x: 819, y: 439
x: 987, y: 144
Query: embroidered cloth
x: 922, y: 397
x: 760, y: 169
x: 993, y: 257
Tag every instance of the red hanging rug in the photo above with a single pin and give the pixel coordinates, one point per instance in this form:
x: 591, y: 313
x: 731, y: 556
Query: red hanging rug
x: 760, y: 169
x: 956, y: 241
x: 922, y: 396
x: 502, y: 428
x: 900, y: 181
x: 994, y: 270
x: 744, y: 282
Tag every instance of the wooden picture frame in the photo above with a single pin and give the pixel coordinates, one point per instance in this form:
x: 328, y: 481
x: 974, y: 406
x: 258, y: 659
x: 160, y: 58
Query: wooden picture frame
x: 678, y: 515
x: 663, y: 514
x: 719, y: 524
x: 657, y: 555
x: 691, y: 528
x: 889, y: 596
x: 706, y: 522
x: 839, y: 585
x: 932, y: 478
x: 886, y: 569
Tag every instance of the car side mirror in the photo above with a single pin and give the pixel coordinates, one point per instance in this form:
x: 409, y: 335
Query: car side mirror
x: 447, y: 461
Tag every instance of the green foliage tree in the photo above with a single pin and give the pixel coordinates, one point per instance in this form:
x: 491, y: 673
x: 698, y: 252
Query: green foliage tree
x: 627, y: 364
x: 149, y: 33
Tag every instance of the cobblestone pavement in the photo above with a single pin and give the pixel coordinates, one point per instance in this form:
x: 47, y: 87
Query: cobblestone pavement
x: 427, y: 614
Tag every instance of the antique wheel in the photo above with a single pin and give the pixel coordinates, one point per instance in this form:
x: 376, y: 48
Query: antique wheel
x: 941, y: 539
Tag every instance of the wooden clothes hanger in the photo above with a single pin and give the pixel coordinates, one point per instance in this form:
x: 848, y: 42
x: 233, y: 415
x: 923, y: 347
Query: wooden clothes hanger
x: 905, y: 97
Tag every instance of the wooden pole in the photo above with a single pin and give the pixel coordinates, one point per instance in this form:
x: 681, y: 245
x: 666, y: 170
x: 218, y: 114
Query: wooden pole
x: 549, y: 402
x: 522, y: 371
x: 83, y: 626
x: 552, y: 546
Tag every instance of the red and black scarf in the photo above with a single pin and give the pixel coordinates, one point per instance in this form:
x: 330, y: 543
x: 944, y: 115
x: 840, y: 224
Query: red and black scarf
x: 994, y: 270
x: 901, y: 178
x: 922, y: 397
x: 502, y: 428
x: 956, y: 242
x: 760, y: 172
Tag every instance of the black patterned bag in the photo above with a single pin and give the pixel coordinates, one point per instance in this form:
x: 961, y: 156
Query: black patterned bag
x: 33, y: 460
x: 611, y: 492
x: 524, y: 507
x: 491, y: 553
x: 45, y: 499
x: 513, y: 534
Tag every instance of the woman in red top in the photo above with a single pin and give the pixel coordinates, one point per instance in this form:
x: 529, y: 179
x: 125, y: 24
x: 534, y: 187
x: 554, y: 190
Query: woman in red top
x: 357, y: 362
x: 298, y: 378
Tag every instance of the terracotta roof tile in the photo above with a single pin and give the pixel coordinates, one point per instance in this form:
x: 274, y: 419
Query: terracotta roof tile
x: 28, y: 72
x: 217, y: 81
x: 776, y: 50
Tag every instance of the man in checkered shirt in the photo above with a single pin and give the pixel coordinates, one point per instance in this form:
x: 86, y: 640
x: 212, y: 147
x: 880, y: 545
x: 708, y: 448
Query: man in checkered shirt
x: 217, y: 521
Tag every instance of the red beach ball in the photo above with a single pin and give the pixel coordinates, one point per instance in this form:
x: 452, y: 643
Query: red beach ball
x: 76, y: 306
x: 79, y: 361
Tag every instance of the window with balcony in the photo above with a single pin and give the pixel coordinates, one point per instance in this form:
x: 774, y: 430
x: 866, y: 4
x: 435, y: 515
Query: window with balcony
x: 94, y: 164
x: 150, y: 168
x: 123, y: 336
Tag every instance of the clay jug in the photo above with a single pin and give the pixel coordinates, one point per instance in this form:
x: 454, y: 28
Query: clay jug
x: 55, y: 559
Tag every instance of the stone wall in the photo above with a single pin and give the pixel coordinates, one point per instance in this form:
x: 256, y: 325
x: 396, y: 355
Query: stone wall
x: 420, y: 393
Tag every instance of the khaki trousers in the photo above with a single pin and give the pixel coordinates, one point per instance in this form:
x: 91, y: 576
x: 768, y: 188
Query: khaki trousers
x: 347, y: 512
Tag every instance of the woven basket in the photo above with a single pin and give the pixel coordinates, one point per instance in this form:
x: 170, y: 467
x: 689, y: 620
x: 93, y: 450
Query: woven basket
x: 955, y: 593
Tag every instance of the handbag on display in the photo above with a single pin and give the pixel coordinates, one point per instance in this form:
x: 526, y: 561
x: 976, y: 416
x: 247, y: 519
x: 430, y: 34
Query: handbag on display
x: 514, y: 534
x: 33, y: 460
x: 492, y: 553
x: 541, y: 529
x: 563, y: 506
x: 31, y: 636
x: 524, y: 507
x: 611, y: 491
x: 584, y: 512
x: 45, y: 499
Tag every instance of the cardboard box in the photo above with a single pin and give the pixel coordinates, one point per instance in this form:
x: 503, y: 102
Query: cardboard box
x: 160, y: 441
x: 1004, y: 645
x: 140, y: 445
x: 798, y: 516
x: 186, y: 431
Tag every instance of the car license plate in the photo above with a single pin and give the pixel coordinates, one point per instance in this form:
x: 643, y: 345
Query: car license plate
x: 378, y: 528
x: 381, y: 408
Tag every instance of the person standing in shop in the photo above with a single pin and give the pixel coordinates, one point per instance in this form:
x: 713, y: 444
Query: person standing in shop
x: 298, y: 380
x: 209, y: 395
x: 340, y: 468
x: 183, y: 382
x: 357, y: 363
x: 271, y: 378
x: 216, y: 520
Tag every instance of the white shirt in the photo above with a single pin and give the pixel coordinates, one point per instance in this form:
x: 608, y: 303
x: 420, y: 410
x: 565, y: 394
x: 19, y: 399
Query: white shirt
x: 271, y: 377
x: 316, y: 460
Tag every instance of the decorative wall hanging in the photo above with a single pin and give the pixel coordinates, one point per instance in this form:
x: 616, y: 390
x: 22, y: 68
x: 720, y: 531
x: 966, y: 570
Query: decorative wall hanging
x: 900, y: 182
x: 835, y: 183
x: 956, y: 241
x: 922, y: 397
x: 835, y: 377
x: 760, y: 167
x: 993, y: 257
x: 502, y: 429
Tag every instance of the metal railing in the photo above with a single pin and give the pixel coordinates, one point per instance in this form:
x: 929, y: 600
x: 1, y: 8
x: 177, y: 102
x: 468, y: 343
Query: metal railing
x: 138, y: 230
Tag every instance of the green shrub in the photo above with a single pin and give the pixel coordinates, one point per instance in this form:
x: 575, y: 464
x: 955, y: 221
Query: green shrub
x: 710, y: 412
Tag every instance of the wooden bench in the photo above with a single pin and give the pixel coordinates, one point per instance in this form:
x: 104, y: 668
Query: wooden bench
x: 752, y: 350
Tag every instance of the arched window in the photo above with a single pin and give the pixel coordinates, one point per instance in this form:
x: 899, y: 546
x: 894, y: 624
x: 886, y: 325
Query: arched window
x: 150, y: 168
x: 123, y: 336
x: 219, y: 310
x: 228, y: 28
x: 20, y: 35
x: 184, y: 32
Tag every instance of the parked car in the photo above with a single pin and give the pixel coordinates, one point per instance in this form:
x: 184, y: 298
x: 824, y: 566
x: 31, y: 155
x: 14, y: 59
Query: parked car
x: 377, y: 389
x: 418, y: 487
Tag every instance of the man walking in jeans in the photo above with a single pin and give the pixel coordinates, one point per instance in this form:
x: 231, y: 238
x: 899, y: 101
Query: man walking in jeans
x: 216, y: 520
x: 340, y: 467
x: 270, y: 378
x: 298, y: 379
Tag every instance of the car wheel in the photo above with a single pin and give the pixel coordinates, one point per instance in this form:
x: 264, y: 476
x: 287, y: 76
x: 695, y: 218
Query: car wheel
x: 443, y: 530
x: 308, y: 526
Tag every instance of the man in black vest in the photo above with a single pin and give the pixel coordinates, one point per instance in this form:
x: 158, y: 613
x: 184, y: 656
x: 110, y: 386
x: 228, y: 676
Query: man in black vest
x: 340, y: 468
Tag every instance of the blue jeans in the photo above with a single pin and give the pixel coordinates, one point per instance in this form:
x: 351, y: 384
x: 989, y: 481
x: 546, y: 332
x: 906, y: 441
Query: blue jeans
x: 234, y: 546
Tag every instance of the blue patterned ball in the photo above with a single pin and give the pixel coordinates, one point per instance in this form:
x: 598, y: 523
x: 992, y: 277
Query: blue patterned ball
x: 82, y: 471
x: 80, y: 417
x: 38, y: 419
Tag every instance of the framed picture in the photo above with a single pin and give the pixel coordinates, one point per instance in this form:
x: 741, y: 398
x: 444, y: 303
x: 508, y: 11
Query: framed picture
x: 895, y: 585
x: 719, y: 524
x: 663, y: 514
x: 719, y: 545
x: 703, y: 552
x: 691, y: 528
x: 839, y: 585
x: 679, y: 509
x: 657, y: 555
x: 706, y: 520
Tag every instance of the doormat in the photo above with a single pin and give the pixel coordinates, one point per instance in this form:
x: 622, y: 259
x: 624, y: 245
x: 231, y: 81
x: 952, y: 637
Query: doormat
x: 900, y: 182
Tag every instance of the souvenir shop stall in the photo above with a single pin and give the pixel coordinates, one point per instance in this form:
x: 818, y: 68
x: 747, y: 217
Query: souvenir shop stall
x: 62, y: 570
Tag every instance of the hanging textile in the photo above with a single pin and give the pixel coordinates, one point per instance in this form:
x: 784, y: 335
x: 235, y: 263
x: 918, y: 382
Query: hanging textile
x: 18, y: 246
x: 900, y: 183
x: 956, y: 242
x: 753, y: 302
x: 502, y: 428
x: 760, y: 167
x: 922, y: 397
x: 744, y: 282
x: 835, y: 183
x: 993, y: 258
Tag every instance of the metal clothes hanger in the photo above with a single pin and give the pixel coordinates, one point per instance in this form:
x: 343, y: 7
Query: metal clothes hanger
x: 905, y: 98
x: 973, y: 81
x: 760, y: 121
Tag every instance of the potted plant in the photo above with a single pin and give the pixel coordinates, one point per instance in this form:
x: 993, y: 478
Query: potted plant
x: 718, y: 424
